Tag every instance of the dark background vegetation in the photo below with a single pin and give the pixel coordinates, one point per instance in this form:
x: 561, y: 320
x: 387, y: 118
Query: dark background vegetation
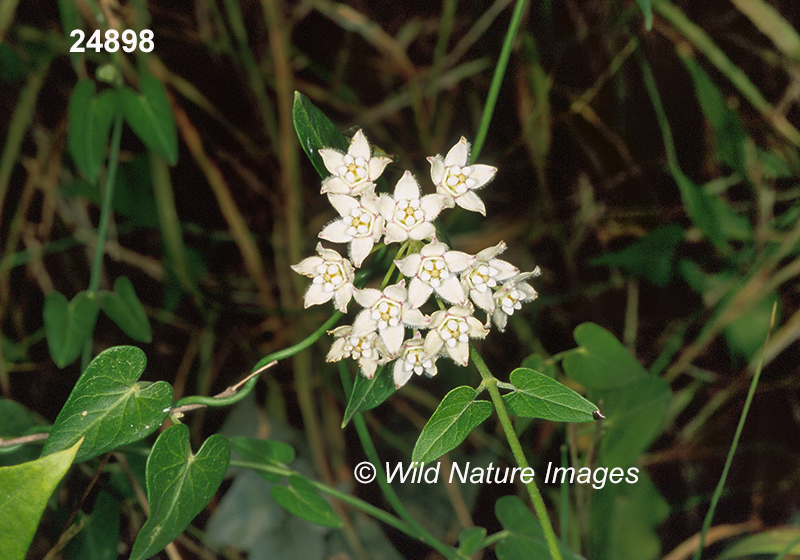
x: 583, y: 172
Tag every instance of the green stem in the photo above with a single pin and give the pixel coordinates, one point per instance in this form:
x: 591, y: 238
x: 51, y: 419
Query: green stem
x: 497, y: 79
x: 732, y: 451
x: 389, y: 272
x: 302, y: 345
x: 388, y: 492
x: 533, y: 491
x: 102, y: 227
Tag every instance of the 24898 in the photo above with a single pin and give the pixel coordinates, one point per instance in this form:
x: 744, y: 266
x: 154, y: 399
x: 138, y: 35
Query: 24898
x: 130, y: 41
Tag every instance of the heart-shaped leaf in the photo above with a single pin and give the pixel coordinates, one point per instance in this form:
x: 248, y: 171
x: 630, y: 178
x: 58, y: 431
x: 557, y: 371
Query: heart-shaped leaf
x: 109, y: 407
x: 68, y: 324
x: 369, y: 393
x: 263, y: 452
x: 90, y: 118
x: 538, y: 396
x: 24, y: 492
x: 601, y: 362
x: 179, y: 486
x: 452, y: 421
x: 150, y: 116
x: 315, y: 131
x: 125, y: 309
x: 634, y: 417
x: 303, y: 500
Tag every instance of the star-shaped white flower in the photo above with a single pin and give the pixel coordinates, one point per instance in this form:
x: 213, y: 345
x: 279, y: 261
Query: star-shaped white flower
x: 487, y: 272
x: 361, y: 224
x: 413, y: 359
x: 433, y: 270
x: 407, y: 215
x: 353, y: 172
x: 332, y: 278
x: 450, y: 331
x: 457, y: 180
x: 387, y: 312
x: 368, y: 349
x: 511, y: 296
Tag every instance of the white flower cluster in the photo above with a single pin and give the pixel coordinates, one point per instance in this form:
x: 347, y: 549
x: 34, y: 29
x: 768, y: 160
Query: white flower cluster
x: 378, y: 334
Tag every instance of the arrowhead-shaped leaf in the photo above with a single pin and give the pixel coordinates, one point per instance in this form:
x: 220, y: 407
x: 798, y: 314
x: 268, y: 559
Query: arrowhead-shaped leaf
x: 369, y: 393
x: 452, y: 421
x: 315, y: 131
x: 125, y: 309
x: 90, y: 118
x: 24, y: 492
x: 150, y: 116
x: 179, y: 486
x: 109, y: 407
x: 303, y: 500
x: 68, y: 324
x: 601, y: 362
x: 538, y: 396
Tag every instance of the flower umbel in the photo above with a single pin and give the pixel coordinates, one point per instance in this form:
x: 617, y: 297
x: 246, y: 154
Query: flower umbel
x: 511, y: 296
x: 332, y: 278
x: 487, y: 272
x: 457, y: 180
x: 353, y: 172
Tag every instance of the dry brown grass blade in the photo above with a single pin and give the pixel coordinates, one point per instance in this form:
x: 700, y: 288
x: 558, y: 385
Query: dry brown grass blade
x: 234, y: 218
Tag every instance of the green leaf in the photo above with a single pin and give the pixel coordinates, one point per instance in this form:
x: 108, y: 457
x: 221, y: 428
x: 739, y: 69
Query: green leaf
x: 263, y: 452
x: 24, y: 492
x: 179, y: 486
x: 369, y: 393
x: 538, y: 363
x: 470, y: 540
x: 634, y: 417
x: 68, y: 325
x: 125, y: 309
x: 150, y: 116
x: 315, y: 131
x: 625, y: 519
x: 647, y: 9
x: 90, y: 118
x: 651, y: 257
x: 452, y: 421
x: 768, y: 542
x: 538, y: 396
x: 16, y: 421
x: 701, y: 208
x: 99, y: 537
x: 729, y: 133
x: 746, y: 334
x: 526, y: 539
x: 109, y: 407
x: 601, y: 362
x: 303, y: 500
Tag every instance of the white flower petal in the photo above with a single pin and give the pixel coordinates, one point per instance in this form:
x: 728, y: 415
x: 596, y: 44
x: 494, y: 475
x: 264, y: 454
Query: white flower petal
x: 333, y: 159
x: 437, y: 169
x: 450, y: 290
x: 409, y: 265
x: 368, y: 367
x: 376, y: 166
x: 364, y: 324
x: 481, y: 174
x: 484, y: 300
x: 359, y: 147
x: 472, y: 202
x: 423, y: 230
x: 407, y: 187
x: 491, y: 252
x: 336, y: 231
x: 415, y: 318
x: 400, y: 375
x: 344, y: 204
x: 459, y: 353
x: 432, y: 205
x: 457, y: 261
x: 308, y: 266
x: 505, y: 270
x: 396, y: 292
x: 360, y: 247
x: 367, y: 297
x: 418, y: 292
x: 342, y: 296
x: 395, y: 233
x: 316, y: 295
x: 433, y: 343
x: 458, y: 154
x: 393, y: 337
